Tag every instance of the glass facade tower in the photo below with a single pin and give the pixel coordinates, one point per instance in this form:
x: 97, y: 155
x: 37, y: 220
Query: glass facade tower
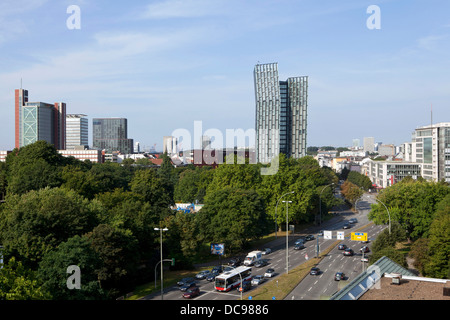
x: 110, y: 134
x: 281, y: 113
x: 39, y: 121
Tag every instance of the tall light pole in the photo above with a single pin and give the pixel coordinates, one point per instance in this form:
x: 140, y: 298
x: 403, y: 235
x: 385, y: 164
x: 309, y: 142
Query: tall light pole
x: 389, y: 215
x: 160, y: 241
x: 276, y: 215
x: 287, y: 238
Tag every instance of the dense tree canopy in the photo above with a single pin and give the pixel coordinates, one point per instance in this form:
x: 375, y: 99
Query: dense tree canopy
x: 101, y: 217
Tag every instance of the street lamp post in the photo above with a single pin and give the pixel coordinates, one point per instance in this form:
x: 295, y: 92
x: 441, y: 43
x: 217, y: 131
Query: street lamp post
x: 389, y: 215
x: 160, y: 241
x: 276, y: 215
x: 287, y: 234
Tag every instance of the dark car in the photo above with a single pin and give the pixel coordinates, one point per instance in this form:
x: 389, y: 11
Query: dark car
x: 342, y: 246
x: 202, y: 274
x: 261, y: 263
x: 339, y: 276
x: 299, y: 246
x: 348, y: 252
x: 191, y: 292
x: 314, y: 271
x: 187, y: 286
x: 185, y: 280
x: 309, y: 237
x: 346, y: 226
x: 246, y: 285
x: 234, y: 262
x: 212, y: 275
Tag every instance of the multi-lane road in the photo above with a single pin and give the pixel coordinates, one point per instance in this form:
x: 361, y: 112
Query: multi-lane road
x: 311, y: 287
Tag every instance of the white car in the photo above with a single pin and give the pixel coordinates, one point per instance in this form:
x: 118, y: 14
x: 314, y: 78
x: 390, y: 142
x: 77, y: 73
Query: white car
x: 269, y: 273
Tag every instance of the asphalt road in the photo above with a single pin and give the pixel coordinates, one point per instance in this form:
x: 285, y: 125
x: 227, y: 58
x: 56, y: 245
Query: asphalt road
x: 312, y: 287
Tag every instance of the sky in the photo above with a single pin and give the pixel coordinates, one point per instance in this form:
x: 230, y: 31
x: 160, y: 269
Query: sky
x: 165, y: 64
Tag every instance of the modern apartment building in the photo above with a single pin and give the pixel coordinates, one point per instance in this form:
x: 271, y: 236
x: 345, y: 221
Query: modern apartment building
x: 430, y: 146
x: 39, y: 121
x: 281, y: 113
x: 386, y: 173
x: 76, y: 131
x: 111, y: 134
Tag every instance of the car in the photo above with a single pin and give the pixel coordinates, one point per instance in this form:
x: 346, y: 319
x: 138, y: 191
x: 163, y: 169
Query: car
x: 217, y: 268
x: 314, y: 271
x: 346, y: 226
x: 185, y: 280
x: 300, y: 240
x: 261, y: 263
x: 309, y: 237
x: 352, y: 220
x: 365, y: 259
x: 320, y: 233
x: 269, y: 273
x: 348, y: 252
x: 246, y: 285
x: 339, y: 276
x: 187, y: 286
x: 299, y: 246
x: 258, y: 280
x: 364, y: 249
x: 235, y: 262
x: 191, y: 292
x: 342, y: 246
x: 212, y: 275
x: 202, y: 274
x: 266, y: 251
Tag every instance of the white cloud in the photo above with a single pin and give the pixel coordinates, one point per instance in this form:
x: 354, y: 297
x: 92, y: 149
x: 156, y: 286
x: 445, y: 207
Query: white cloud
x: 182, y: 9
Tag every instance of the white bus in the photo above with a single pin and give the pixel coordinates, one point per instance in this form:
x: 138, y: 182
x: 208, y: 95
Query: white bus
x: 232, y: 279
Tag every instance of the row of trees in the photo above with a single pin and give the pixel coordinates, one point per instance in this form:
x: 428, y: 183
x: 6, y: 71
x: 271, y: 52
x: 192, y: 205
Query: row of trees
x: 61, y: 212
x: 420, y: 214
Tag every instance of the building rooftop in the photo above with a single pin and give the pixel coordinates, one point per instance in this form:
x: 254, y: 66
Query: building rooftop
x: 377, y: 284
x: 410, y: 288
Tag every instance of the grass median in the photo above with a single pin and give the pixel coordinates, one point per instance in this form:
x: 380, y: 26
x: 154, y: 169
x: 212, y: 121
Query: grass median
x: 283, y: 284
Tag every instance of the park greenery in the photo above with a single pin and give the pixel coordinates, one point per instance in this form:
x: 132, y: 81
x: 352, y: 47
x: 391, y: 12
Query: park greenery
x: 59, y: 212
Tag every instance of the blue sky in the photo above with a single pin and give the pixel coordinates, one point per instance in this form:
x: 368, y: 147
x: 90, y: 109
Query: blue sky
x: 165, y: 64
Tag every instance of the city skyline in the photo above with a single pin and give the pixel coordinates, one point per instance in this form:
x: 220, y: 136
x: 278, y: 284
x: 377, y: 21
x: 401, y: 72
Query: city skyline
x: 165, y: 64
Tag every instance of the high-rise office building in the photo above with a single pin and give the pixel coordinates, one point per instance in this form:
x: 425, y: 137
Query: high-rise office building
x: 431, y: 147
x: 77, y: 131
x: 281, y: 113
x: 111, y: 134
x: 39, y: 121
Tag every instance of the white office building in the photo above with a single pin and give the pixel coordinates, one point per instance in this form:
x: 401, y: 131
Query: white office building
x: 76, y: 131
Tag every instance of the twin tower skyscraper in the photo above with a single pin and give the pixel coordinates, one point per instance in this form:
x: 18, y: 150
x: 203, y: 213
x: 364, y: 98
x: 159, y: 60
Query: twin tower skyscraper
x: 281, y: 114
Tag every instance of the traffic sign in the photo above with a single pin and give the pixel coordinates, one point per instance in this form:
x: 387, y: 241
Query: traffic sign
x: 328, y: 235
x: 359, y: 236
x: 340, y: 235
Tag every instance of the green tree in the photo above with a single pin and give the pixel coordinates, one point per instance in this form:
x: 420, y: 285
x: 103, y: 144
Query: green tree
x: 415, y: 202
x: 19, y: 283
x: 439, y: 242
x: 232, y: 216
x: 37, y: 222
x: 147, y: 184
x: 306, y: 179
x: 118, y: 251
x: 52, y: 272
